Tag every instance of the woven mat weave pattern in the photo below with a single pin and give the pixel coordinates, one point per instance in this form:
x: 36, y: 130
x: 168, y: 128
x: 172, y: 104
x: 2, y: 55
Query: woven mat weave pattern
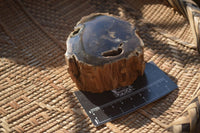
x: 36, y: 92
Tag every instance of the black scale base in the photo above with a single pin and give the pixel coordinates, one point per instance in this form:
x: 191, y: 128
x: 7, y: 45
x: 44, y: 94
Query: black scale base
x: 107, y: 106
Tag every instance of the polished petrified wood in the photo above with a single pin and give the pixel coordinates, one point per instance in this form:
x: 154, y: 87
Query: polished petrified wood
x: 104, y: 53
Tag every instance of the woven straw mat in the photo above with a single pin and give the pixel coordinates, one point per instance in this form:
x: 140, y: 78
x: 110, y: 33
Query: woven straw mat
x: 36, y: 91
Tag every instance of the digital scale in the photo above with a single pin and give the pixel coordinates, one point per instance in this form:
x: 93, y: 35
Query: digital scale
x: 109, y: 105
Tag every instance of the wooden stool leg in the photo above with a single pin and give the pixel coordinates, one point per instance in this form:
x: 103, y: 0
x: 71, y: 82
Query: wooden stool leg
x: 192, y: 12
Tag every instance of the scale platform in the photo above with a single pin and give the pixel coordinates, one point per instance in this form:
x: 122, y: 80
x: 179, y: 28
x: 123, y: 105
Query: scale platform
x: 109, y: 105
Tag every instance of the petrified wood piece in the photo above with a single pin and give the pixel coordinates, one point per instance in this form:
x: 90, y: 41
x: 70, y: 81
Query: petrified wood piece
x: 104, y: 53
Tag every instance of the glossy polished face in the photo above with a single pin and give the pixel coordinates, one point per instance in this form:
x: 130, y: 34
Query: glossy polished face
x: 100, y: 39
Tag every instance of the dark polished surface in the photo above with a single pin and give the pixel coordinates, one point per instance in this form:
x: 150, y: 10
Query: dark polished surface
x: 100, y: 39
